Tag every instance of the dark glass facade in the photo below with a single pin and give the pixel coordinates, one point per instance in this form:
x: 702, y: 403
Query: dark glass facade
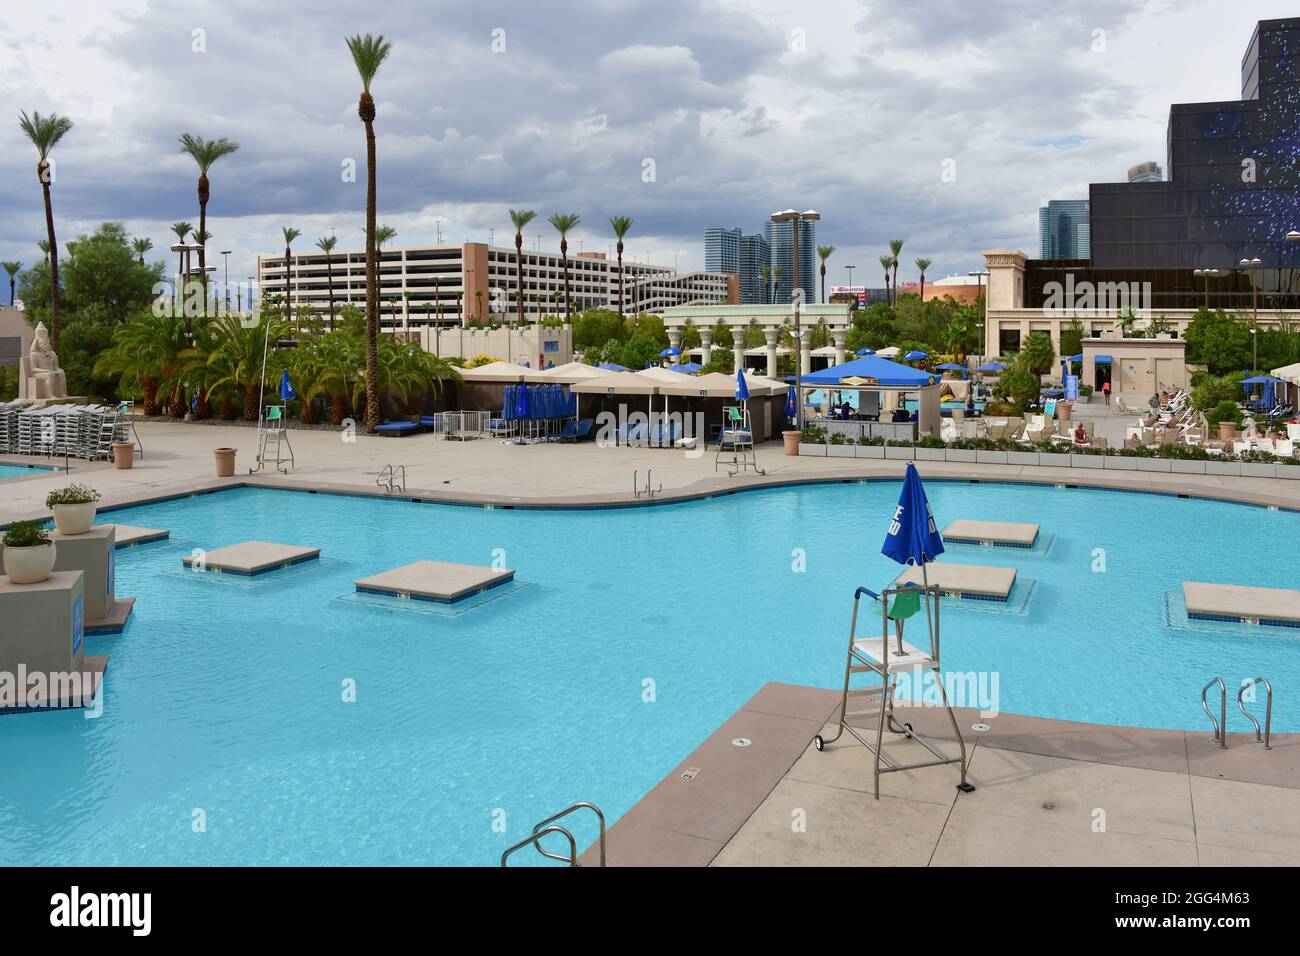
x: 1233, y: 193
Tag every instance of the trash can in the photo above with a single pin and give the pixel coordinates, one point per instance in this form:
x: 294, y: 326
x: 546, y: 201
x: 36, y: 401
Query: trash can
x: 123, y: 455
x: 225, y: 462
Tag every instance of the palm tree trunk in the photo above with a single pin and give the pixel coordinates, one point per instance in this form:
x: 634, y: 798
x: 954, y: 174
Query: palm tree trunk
x: 54, y: 265
x: 203, y: 222
x: 338, y: 409
x: 252, y: 398
x: 519, y: 275
x: 823, y: 282
x: 894, y: 301
x: 564, y: 257
x: 329, y: 272
x: 372, y: 270
x: 150, y: 388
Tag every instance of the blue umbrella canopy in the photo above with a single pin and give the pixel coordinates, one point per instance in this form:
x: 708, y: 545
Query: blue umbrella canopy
x: 882, y: 370
x: 951, y: 367
x: 861, y: 352
x: 914, y: 355
x: 286, y: 387
x: 686, y: 368
x: 913, y: 537
x: 670, y: 352
x: 742, y: 387
x: 991, y: 367
x: 1077, y: 358
x: 1260, y: 380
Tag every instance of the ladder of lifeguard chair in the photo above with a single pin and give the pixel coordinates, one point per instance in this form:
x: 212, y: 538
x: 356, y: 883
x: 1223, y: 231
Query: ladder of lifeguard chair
x: 274, y: 441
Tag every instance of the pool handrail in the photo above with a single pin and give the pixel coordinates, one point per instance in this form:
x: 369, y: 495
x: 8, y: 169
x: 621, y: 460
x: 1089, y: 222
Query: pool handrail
x: 1268, y: 709
x: 1220, y: 725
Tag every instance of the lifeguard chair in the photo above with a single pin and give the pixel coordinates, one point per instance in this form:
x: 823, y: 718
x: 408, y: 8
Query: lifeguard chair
x: 273, y: 441
x: 876, y: 657
x: 736, y: 440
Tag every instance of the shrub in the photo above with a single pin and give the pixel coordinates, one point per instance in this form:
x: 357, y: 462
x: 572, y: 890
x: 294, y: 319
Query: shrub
x: 26, y: 534
x: 72, y: 495
x: 812, y: 435
x: 1224, y: 412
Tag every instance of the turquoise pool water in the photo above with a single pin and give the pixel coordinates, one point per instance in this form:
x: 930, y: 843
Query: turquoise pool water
x: 19, y: 471
x: 224, y: 696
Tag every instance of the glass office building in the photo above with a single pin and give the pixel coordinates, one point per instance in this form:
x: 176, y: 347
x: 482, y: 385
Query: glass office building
x: 1063, y: 229
x: 732, y: 252
x: 1232, y: 193
x: 780, y: 239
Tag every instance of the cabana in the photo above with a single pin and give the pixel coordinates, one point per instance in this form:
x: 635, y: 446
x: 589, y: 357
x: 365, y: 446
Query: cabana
x: 708, y: 395
x: 883, y: 389
x: 568, y: 374
x: 483, y: 388
x: 610, y: 391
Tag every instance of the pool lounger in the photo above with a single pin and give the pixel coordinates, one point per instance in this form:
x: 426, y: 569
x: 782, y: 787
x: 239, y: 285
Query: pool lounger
x: 1237, y: 604
x: 972, y: 581
x: 999, y: 534
x: 397, y: 429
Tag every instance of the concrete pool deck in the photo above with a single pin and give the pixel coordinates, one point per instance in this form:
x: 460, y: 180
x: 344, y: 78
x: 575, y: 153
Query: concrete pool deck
x: 1048, y: 792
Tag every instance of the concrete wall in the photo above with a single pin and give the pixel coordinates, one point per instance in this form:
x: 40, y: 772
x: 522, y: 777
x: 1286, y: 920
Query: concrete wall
x: 528, y: 344
x: 15, y: 336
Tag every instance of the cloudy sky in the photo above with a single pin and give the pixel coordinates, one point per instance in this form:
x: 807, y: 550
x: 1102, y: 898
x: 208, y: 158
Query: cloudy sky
x: 942, y: 122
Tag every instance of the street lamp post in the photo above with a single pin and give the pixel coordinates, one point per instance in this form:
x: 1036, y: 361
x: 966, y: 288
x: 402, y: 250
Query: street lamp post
x: 1207, y: 273
x: 984, y: 324
x: 1252, y: 266
x: 225, y: 257
x: 849, y: 270
x: 796, y: 219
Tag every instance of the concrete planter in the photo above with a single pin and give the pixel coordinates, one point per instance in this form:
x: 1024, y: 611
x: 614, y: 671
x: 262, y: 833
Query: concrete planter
x: 1288, y: 471
x: 1153, y: 464
x: 225, y: 462
x: 1022, y: 458
x: 74, y: 519
x: 839, y: 451
x: 991, y: 457
x: 791, y: 439
x: 1223, y: 468
x: 902, y: 454
x: 123, y: 455
x: 29, y: 565
x: 871, y: 451
x: 1120, y: 464
x: 1054, y: 459
x: 961, y: 454
x: 1257, y: 470
x: 1087, y: 461
x: 931, y: 454
x: 1187, y: 467
x: 813, y: 449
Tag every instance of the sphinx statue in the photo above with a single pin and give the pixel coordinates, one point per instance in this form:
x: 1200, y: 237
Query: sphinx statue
x: 39, y: 375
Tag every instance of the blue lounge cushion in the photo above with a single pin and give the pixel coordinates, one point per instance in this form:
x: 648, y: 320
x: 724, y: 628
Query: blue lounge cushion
x: 396, y: 428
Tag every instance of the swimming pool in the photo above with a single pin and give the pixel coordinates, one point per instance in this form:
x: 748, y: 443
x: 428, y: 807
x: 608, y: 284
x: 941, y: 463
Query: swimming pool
x: 224, y: 697
x: 20, y: 471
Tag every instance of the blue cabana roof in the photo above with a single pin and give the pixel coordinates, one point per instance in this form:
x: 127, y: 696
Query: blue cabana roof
x: 690, y: 368
x: 615, y: 367
x: 1077, y: 358
x: 1261, y: 380
x: 882, y: 370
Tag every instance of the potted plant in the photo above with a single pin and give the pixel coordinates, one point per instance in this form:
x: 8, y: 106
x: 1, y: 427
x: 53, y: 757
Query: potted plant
x: 73, y: 507
x: 29, y: 553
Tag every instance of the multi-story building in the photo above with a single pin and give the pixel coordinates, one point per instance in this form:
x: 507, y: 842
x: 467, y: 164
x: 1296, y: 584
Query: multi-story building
x: 1146, y: 173
x: 780, y: 239
x: 731, y: 252
x: 1063, y: 229
x: 478, y: 282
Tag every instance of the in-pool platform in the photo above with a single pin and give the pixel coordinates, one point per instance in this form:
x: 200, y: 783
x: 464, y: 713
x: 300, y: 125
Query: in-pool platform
x: 252, y: 557
x: 128, y: 535
x: 998, y: 534
x: 1238, y: 604
x: 438, y: 581
x: 964, y: 580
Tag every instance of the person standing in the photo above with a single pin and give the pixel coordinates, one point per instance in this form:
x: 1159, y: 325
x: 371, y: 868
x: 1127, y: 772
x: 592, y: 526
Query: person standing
x: 1105, y: 390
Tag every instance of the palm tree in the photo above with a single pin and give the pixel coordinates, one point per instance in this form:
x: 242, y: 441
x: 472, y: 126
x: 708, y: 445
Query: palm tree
x: 368, y: 53
x: 520, y: 218
x: 44, y: 246
x: 181, y: 230
x: 236, y: 359
x: 620, y: 225
x: 824, y: 253
x: 290, y: 234
x: 776, y: 282
x: 45, y: 133
x: 384, y: 234
x: 563, y: 223
x: 148, y: 354
x: 922, y: 264
x: 767, y: 283
x: 12, y: 268
x: 895, y: 247
x: 140, y: 247
x: 326, y: 245
x: 886, y: 262
x: 205, y: 152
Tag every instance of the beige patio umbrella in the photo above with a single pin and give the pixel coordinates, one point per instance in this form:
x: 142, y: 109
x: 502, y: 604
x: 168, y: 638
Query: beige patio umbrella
x: 568, y: 374
x: 496, y: 372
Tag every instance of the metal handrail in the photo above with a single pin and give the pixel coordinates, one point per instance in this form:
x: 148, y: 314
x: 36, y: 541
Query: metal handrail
x: 571, y: 859
x: 1268, y: 709
x: 388, y: 480
x: 1220, y: 725
x: 584, y: 805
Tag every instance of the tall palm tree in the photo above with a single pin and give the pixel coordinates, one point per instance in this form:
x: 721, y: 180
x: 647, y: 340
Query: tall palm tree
x: 12, y: 268
x: 767, y: 282
x: 368, y: 54
x: 777, y: 271
x: 205, y: 152
x: 922, y: 264
x: 620, y: 225
x: 290, y: 234
x: 384, y: 235
x: 140, y: 247
x: 326, y: 245
x: 45, y: 133
x: 886, y: 262
x: 520, y: 218
x: 44, y: 246
x: 563, y: 223
x: 824, y: 253
x: 895, y: 247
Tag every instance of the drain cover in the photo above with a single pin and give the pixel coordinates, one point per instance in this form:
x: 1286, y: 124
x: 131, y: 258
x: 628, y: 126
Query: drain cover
x: 980, y: 728
x: 741, y: 742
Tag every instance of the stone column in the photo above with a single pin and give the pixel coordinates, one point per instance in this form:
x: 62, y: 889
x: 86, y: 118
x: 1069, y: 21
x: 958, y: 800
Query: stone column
x: 738, y: 346
x: 771, y: 336
x: 805, y: 357
x: 675, y: 337
x: 841, y: 345
x: 706, y: 345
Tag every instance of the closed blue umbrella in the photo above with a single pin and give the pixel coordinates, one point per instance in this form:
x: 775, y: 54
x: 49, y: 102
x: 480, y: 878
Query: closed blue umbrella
x: 286, y: 387
x: 742, y: 387
x: 913, y: 537
x: 791, y: 403
x: 508, y: 402
x: 522, y: 406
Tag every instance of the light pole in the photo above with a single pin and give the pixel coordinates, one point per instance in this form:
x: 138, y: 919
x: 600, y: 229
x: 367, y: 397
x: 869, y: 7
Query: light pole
x: 984, y: 324
x: 797, y: 219
x: 1207, y: 273
x: 849, y: 270
x: 1252, y: 266
x: 225, y: 258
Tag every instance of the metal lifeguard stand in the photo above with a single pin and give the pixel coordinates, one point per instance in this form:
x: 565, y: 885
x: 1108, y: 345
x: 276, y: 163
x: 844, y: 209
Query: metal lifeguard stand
x: 874, y: 656
x: 737, y: 438
x: 273, y: 441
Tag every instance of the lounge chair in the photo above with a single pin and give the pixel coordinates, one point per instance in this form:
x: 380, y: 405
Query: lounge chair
x: 397, y: 429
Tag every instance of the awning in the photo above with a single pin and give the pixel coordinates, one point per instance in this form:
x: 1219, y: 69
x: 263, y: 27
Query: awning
x: 1101, y: 360
x: 618, y: 383
x: 871, y: 370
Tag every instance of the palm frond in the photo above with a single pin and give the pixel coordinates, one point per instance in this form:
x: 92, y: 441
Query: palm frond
x: 368, y: 53
x: 44, y: 131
